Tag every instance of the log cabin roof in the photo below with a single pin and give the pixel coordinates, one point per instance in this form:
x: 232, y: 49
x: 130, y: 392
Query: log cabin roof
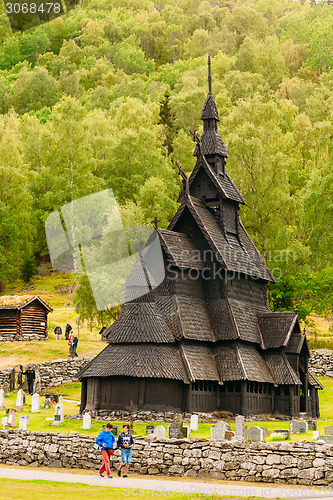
x: 136, y: 360
x: 199, y: 362
x: 281, y: 369
x: 180, y: 249
x: 276, y: 328
x: 20, y: 301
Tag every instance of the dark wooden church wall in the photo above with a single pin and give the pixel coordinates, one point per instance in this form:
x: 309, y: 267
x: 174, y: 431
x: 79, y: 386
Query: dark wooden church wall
x: 230, y: 397
x: 34, y: 319
x: 203, y: 184
x: 240, y: 287
x: 115, y: 393
x: 204, y: 396
x: 9, y: 322
x: 229, y: 210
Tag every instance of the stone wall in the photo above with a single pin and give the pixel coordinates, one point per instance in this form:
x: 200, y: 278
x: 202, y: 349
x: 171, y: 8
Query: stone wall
x: 321, y: 363
x: 52, y: 373
x: 22, y: 338
x: 291, y: 463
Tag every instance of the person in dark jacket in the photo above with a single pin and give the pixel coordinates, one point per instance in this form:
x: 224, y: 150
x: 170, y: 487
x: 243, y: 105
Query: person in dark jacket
x: 20, y: 376
x: 125, y: 443
x: 106, y: 441
x: 30, y: 377
x: 58, y: 332
x: 68, y: 330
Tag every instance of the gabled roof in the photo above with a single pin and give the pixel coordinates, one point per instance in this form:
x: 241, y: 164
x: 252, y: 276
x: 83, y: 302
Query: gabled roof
x: 243, y: 258
x: 296, y: 342
x: 276, y: 328
x: 199, y: 362
x: 281, y: 369
x: 139, y: 322
x: 136, y: 360
x: 180, y: 249
x: 314, y: 381
x: 20, y: 301
x: 210, y: 110
x: 223, y: 183
x: 211, y: 144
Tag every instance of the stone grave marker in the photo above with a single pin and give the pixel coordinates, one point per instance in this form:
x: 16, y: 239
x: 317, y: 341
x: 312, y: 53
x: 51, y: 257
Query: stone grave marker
x: 194, y: 423
x: 37, y: 382
x: 255, y: 434
x: 240, y: 427
x: 115, y: 430
x: 315, y: 435
x: 328, y: 430
x: 150, y: 429
x: 2, y: 399
x: 23, y: 422
x: 160, y: 432
x: 35, y: 403
x: 4, y: 422
x: 58, y: 414
x: 312, y: 425
x: 11, y: 418
x: 217, y: 431
x: 298, y: 426
x: 48, y: 403
x: 86, y: 421
x: 186, y: 431
x: 19, y: 400
x: 266, y: 432
x: 282, y: 432
x: 175, y: 430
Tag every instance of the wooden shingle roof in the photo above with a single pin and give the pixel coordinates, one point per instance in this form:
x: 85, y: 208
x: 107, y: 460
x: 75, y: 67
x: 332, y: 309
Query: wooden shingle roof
x: 199, y: 362
x: 281, y: 369
x: 210, y: 110
x: 223, y: 183
x: 136, y: 360
x: 21, y: 301
x: 276, y: 328
x: 211, y: 144
x: 314, y: 381
x: 180, y: 249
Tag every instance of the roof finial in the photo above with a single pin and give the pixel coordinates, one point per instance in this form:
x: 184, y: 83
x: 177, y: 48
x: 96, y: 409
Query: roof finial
x: 209, y: 77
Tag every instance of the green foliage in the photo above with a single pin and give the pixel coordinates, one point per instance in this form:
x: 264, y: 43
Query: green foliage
x: 28, y: 269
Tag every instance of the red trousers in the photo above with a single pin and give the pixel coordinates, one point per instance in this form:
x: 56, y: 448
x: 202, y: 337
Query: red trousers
x: 106, y: 464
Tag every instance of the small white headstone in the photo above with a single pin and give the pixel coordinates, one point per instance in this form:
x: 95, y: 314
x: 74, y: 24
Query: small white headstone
x: 2, y: 399
x: 194, y: 422
x: 240, y: 426
x: 23, y: 422
x: 316, y: 435
x: 217, y: 431
x: 35, y: 403
x: 19, y: 400
x: 4, y: 421
x: 160, y: 432
x: 58, y: 414
x: 86, y: 421
x: 12, y: 418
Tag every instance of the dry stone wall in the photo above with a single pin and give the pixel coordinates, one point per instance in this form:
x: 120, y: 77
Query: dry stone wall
x: 321, y: 363
x: 291, y: 463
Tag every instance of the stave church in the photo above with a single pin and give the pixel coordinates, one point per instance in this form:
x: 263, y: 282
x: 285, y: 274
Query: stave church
x: 204, y: 339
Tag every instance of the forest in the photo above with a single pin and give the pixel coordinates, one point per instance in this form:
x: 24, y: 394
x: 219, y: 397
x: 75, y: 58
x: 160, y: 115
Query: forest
x: 104, y: 97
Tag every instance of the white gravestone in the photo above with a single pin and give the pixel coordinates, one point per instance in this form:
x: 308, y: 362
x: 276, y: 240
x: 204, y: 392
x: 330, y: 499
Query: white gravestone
x: 19, y: 400
x: 4, y: 421
x: 240, y: 426
x: 86, y: 421
x: 298, y: 426
x: 23, y: 422
x: 194, y: 423
x: 58, y: 414
x: 255, y: 434
x: 316, y: 435
x: 35, y: 403
x: 160, y: 432
x: 2, y: 399
x: 12, y: 418
x: 217, y: 431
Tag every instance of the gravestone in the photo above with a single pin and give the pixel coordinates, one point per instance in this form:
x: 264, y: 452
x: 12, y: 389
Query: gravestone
x: 11, y: 418
x: 328, y: 430
x: 2, y: 399
x: 217, y: 431
x: 150, y: 429
x: 283, y: 432
x: 4, y: 421
x: 229, y: 435
x: 194, y: 422
x: 160, y: 432
x: 327, y: 439
x: 86, y: 421
x: 255, y: 434
x: 35, y: 403
x: 186, y: 431
x: 48, y: 403
x: 23, y: 422
x: 312, y: 425
x: 175, y: 430
x: 315, y: 435
x: 265, y: 431
x: 19, y: 400
x: 298, y: 426
x: 58, y: 414
x: 115, y: 430
x: 240, y: 427
x: 37, y: 382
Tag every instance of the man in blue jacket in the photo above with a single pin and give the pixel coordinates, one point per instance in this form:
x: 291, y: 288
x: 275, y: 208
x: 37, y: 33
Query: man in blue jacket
x: 125, y: 442
x: 106, y: 441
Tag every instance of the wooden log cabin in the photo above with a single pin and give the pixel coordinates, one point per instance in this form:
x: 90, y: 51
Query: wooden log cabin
x: 23, y: 317
x: 205, y: 339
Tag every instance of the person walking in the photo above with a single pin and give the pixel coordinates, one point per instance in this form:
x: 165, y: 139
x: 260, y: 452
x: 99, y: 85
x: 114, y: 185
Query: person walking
x: 58, y: 332
x: 106, y: 441
x: 73, y: 341
x: 125, y: 443
x: 30, y: 377
x: 68, y: 330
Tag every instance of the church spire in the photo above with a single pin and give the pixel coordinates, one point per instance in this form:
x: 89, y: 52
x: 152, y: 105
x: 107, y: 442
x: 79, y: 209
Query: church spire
x: 209, y: 77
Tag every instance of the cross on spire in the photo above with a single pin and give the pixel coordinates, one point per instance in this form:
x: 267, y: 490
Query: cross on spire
x: 155, y: 221
x: 209, y: 77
